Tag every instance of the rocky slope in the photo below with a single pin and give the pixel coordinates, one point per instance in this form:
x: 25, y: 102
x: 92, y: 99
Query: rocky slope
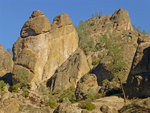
x: 57, y: 68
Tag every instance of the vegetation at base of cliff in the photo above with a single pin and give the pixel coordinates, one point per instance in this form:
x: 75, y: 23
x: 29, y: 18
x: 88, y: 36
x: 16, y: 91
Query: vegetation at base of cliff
x: 25, y: 92
x: 15, y: 88
x: 87, y: 105
x: 115, y: 51
x: 2, y: 85
x: 86, y: 43
x: 68, y: 93
x: 52, y: 101
x: 23, y: 78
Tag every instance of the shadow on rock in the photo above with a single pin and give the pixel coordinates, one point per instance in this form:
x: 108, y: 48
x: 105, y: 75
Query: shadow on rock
x: 134, y: 109
x: 7, y: 78
x: 102, y: 73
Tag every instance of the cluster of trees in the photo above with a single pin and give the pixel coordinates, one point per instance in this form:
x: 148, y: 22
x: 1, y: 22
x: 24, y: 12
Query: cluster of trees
x: 138, y: 29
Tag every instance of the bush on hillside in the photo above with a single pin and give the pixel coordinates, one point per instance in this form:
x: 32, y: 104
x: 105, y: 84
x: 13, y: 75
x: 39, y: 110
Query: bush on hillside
x: 68, y: 93
x: 86, y: 43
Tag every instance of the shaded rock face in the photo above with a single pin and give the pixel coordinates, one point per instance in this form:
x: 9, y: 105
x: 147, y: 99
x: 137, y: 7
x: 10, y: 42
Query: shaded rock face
x: 87, y: 86
x: 139, y: 78
x: 6, y: 62
x: 69, y: 72
x: 45, y: 48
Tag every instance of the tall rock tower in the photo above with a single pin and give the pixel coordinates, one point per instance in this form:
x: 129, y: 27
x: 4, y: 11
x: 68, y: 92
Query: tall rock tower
x: 42, y: 47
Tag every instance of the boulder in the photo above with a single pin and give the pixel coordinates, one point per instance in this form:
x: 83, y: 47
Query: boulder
x: 6, y: 62
x: 46, y: 48
x: 37, y: 24
x: 69, y: 72
x: 87, y: 87
x: 61, y: 20
x: 67, y: 107
x: 121, y: 20
x: 139, y: 78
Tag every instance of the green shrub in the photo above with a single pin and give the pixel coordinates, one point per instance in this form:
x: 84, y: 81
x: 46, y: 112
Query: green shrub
x: 51, y: 102
x: 23, y: 78
x: 2, y: 85
x: 15, y: 88
x: 115, y: 50
x: 91, y: 93
x: 95, y: 62
x: 70, y: 94
x: 86, y: 43
x: 25, y: 92
x: 92, y: 24
x: 87, y: 105
x: 106, y: 81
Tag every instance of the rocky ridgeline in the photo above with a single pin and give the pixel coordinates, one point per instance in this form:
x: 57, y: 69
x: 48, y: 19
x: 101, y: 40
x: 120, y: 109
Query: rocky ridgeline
x: 48, y: 61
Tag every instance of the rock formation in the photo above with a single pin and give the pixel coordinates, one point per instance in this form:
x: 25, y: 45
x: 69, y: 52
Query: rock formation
x: 117, y: 28
x: 139, y: 78
x: 70, y: 72
x: 87, y: 86
x: 42, y: 47
x: 6, y: 62
x: 48, y: 54
x: 119, y: 21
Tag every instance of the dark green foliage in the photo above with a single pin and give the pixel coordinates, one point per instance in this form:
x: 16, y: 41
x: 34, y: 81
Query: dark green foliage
x: 2, y: 85
x: 115, y: 50
x: 15, y: 88
x: 68, y: 93
x: 92, y: 24
x: 87, y: 105
x: 86, y: 43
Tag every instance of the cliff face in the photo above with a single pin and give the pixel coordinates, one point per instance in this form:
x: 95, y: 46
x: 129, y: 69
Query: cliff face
x: 47, y: 57
x: 6, y: 62
x: 42, y: 46
x: 139, y: 78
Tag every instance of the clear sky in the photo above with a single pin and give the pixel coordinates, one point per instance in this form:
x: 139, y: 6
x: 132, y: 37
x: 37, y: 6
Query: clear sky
x: 14, y: 13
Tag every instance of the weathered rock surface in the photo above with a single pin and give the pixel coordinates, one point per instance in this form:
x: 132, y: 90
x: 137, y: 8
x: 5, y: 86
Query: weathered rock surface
x: 37, y: 24
x: 67, y: 107
x: 139, y: 78
x: 137, y: 106
x: 87, y: 86
x: 70, y: 72
x: 45, y: 48
x: 119, y: 21
x: 6, y: 62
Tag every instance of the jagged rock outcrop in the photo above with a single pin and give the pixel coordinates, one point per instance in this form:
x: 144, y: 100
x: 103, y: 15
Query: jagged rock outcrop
x: 6, y: 62
x: 70, y: 72
x: 139, y: 78
x: 119, y: 21
x: 46, y: 46
x: 87, y: 87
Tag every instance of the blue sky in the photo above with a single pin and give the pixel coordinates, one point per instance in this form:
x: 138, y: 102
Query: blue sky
x: 14, y: 13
